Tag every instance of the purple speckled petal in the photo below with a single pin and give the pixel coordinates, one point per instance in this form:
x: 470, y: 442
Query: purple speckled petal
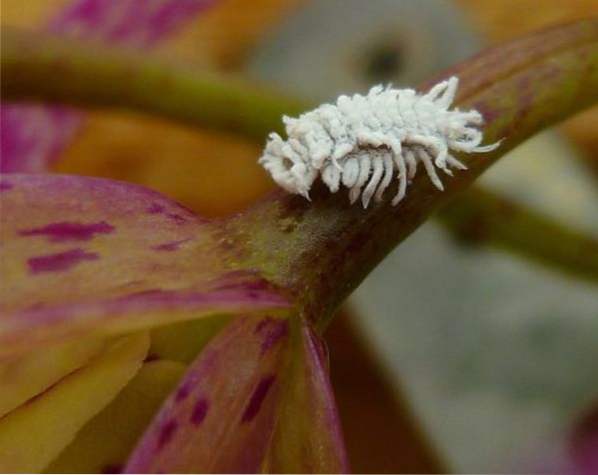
x: 221, y: 417
x: 257, y: 399
x: 84, y: 254
x: 31, y: 137
x: 308, y: 437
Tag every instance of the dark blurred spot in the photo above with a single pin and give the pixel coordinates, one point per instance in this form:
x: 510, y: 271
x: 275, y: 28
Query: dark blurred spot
x: 257, y: 398
x: 200, y: 410
x: 59, y: 262
x: 183, y: 391
x: 69, y: 231
x: 384, y: 62
x: 112, y: 468
x: 166, y: 433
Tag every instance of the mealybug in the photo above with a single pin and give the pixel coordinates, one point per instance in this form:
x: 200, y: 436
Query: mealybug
x: 363, y: 140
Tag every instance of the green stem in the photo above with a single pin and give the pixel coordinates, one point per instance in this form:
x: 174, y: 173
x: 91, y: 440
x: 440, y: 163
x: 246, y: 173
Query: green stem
x: 482, y: 217
x: 322, y: 250
x: 319, y: 251
x: 41, y: 67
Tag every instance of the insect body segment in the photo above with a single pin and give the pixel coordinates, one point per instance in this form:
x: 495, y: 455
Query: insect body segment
x: 362, y: 142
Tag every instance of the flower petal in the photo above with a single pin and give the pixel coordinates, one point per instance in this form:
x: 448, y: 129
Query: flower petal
x: 221, y: 416
x: 23, y: 377
x: 261, y: 379
x: 103, y: 445
x: 182, y: 341
x: 33, y: 136
x: 83, y: 254
x: 308, y: 436
x: 29, y: 438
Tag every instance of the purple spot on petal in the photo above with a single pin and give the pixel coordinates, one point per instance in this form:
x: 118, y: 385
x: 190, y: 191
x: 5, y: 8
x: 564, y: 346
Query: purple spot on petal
x: 167, y: 432
x: 66, y: 231
x: 183, y: 392
x: 177, y: 218
x: 5, y: 186
x: 257, y: 398
x: 245, y: 279
x: 169, y: 246
x: 277, y: 330
x: 155, y: 208
x: 60, y: 261
x: 200, y: 410
x: 263, y: 324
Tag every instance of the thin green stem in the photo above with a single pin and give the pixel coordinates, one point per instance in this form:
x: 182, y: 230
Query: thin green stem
x: 481, y: 217
x: 40, y: 67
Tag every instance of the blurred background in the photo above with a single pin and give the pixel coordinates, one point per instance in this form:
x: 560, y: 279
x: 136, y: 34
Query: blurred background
x: 469, y: 359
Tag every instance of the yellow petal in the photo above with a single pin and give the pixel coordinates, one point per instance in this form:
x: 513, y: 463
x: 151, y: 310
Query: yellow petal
x: 23, y: 377
x: 105, y: 442
x: 35, y: 433
x: 182, y: 341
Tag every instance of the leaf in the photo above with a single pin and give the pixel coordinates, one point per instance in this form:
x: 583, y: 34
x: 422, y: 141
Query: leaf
x: 22, y: 377
x: 35, y: 433
x: 103, y: 445
x: 33, y: 136
x: 85, y: 255
x: 237, y: 396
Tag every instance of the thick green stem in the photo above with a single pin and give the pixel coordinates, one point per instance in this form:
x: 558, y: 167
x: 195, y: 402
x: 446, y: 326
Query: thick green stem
x: 482, y: 217
x: 319, y: 251
x: 322, y: 250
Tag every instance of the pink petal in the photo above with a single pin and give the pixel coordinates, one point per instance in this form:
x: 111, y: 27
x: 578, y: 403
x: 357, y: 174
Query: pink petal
x: 223, y: 412
x: 84, y: 254
x: 308, y: 436
x: 257, y: 398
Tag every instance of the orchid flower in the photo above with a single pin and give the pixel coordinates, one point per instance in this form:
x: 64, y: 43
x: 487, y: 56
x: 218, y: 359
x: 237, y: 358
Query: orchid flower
x: 102, y: 280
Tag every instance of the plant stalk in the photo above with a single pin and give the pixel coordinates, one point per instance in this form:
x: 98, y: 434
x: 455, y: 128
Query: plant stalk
x: 39, y: 67
x: 482, y: 217
x: 322, y: 250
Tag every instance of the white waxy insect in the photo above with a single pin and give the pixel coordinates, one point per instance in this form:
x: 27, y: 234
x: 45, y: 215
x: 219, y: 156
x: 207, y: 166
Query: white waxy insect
x: 362, y: 142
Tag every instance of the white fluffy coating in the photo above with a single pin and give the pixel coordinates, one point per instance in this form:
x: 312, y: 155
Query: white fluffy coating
x: 361, y: 142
